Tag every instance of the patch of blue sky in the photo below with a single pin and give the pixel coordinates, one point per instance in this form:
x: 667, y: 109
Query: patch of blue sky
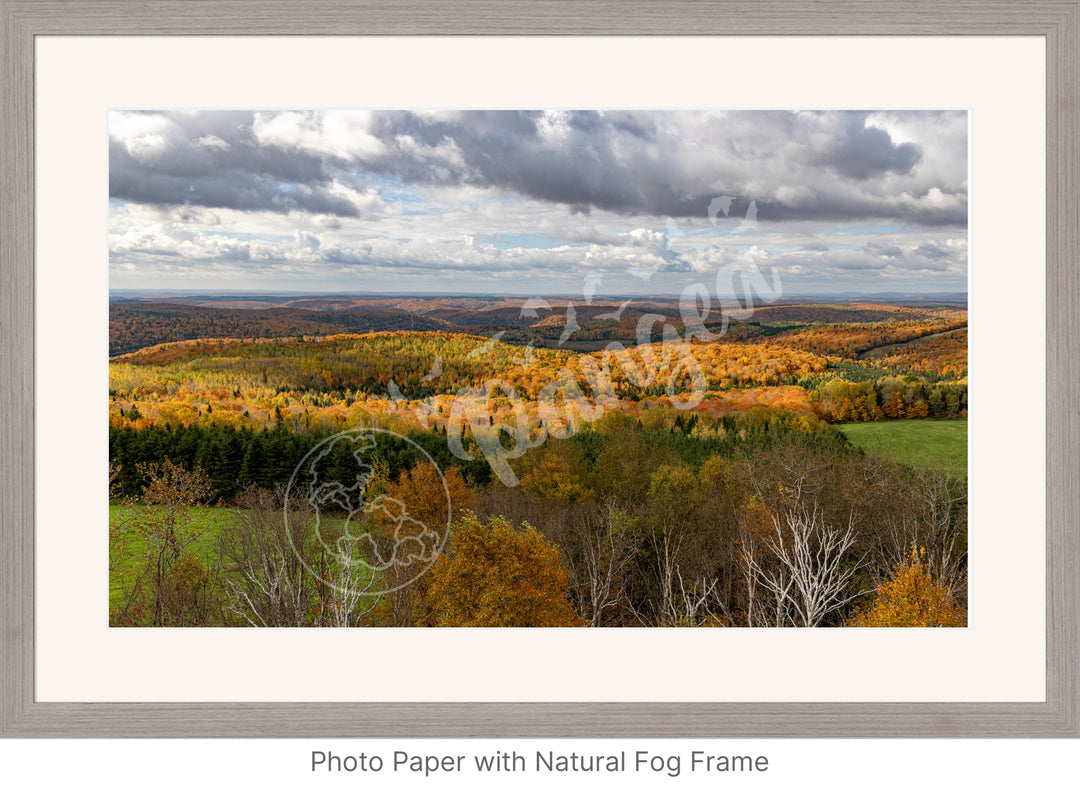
x: 391, y: 189
x: 378, y: 179
x: 834, y: 247
x: 249, y: 235
x: 691, y: 231
x: 401, y: 196
x: 409, y: 202
x: 527, y: 240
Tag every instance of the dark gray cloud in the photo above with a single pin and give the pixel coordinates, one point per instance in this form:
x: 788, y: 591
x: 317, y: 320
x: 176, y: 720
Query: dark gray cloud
x: 212, y: 160
x: 819, y: 166
x: 861, y: 152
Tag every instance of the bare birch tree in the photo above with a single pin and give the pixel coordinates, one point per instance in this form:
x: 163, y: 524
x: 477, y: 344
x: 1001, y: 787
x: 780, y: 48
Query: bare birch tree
x: 801, y: 569
x: 267, y: 579
x: 934, y: 528
x: 606, y: 550
x: 687, y: 593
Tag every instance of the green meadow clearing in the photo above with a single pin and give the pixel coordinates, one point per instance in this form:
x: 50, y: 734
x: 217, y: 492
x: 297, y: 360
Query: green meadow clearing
x: 933, y: 444
x: 204, y: 525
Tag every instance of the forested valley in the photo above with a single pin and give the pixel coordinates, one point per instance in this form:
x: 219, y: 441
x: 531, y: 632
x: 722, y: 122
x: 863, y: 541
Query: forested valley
x: 707, y: 483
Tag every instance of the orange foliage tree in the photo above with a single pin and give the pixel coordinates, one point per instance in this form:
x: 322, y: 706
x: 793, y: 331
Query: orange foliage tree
x: 429, y: 500
x: 426, y: 494
x: 498, y: 576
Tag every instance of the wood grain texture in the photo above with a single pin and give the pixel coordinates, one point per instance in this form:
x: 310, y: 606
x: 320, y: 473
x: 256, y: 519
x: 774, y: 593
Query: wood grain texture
x: 545, y: 17
x: 21, y: 716
x: 16, y: 373
x: 1063, y: 369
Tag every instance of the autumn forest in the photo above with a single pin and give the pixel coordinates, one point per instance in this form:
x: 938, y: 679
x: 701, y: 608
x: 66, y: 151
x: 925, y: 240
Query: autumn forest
x: 611, y: 463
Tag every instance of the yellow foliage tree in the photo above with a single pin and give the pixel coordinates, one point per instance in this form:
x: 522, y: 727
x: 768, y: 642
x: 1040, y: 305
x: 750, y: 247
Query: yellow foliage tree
x: 430, y: 501
x: 498, y: 576
x: 556, y: 477
x: 911, y: 598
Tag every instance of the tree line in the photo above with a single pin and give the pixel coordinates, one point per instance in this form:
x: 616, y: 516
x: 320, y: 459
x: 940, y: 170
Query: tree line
x: 233, y: 459
x: 890, y: 397
x: 141, y: 325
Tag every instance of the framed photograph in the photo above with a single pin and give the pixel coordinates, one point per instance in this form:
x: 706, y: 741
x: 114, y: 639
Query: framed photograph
x: 465, y: 369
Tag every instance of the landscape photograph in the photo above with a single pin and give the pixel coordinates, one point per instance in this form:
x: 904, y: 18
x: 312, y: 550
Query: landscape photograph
x: 538, y: 368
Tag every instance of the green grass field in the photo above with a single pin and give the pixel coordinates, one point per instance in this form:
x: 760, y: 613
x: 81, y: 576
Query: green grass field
x: 204, y: 526
x: 934, y: 444
x: 206, y: 522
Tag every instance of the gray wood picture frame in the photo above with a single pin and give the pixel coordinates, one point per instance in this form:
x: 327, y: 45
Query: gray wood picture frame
x: 22, y: 716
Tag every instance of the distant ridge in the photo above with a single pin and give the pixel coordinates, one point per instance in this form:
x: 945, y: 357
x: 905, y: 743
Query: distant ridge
x: 137, y: 322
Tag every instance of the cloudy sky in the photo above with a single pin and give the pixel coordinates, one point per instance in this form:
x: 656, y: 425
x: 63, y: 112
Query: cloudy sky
x: 536, y: 202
